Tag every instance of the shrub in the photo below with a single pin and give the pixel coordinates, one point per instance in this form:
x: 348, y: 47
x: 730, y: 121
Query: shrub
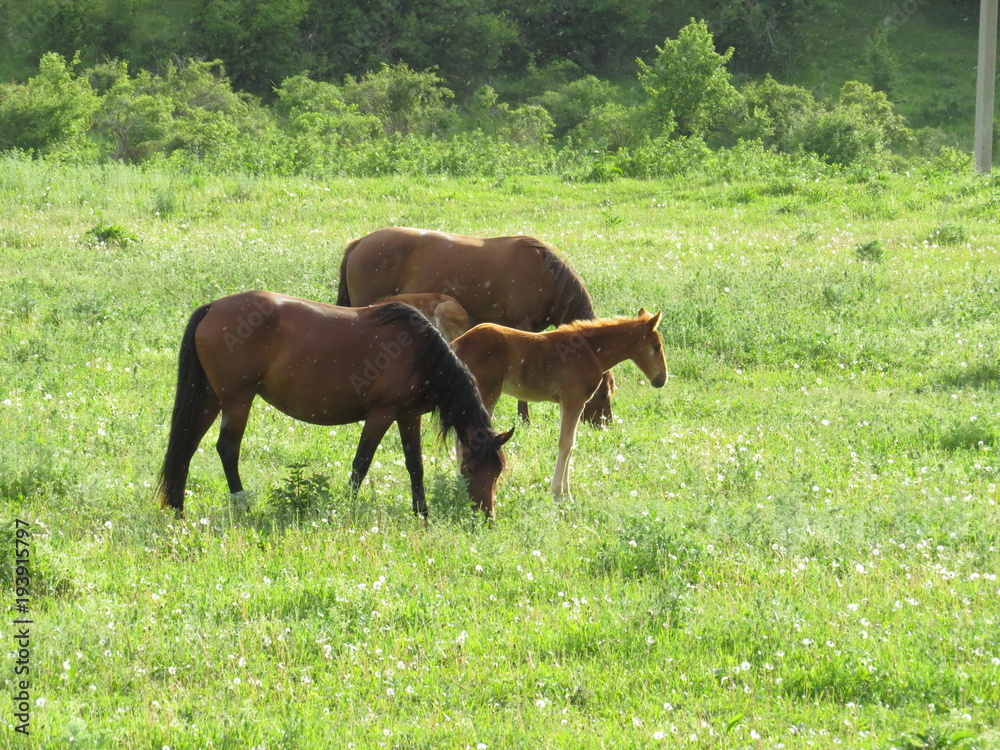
x: 225, y: 129
x: 319, y: 123
x: 859, y: 126
x: 664, y: 157
x: 405, y: 101
x: 524, y: 125
x: 871, y: 251
x: 610, y: 127
x: 319, y: 109
x: 111, y: 234
x: 949, y: 234
x: 688, y: 83
x: 49, y: 115
x: 767, y: 111
x: 949, y: 161
x: 135, y: 117
x: 881, y: 62
x: 573, y: 103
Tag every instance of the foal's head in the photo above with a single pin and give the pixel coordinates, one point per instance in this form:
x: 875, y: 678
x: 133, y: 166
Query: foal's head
x: 647, y: 351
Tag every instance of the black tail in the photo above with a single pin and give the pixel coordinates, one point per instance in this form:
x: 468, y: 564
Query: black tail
x: 343, y: 293
x: 184, y: 424
x: 449, y: 386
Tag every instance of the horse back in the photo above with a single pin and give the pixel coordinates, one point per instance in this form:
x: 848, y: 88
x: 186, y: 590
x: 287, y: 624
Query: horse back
x: 505, y: 280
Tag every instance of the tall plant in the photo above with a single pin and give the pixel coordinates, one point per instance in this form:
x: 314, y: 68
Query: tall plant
x: 688, y: 84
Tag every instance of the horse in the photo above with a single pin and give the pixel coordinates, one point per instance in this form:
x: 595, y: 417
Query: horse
x: 518, y: 282
x: 447, y: 315
x: 325, y: 365
x: 564, y: 366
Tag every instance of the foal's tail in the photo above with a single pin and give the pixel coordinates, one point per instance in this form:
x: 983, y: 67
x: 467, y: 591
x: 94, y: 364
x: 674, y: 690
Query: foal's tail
x: 343, y: 294
x: 185, y: 433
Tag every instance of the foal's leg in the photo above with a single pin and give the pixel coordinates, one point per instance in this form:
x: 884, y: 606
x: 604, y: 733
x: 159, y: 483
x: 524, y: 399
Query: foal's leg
x: 376, y: 424
x: 570, y: 414
x: 234, y: 424
x: 522, y: 412
x: 409, y: 433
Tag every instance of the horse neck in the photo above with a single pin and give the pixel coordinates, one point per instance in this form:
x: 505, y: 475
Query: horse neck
x: 612, y: 343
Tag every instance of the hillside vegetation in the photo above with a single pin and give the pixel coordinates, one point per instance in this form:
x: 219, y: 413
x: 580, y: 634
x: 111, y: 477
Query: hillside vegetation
x: 898, y: 78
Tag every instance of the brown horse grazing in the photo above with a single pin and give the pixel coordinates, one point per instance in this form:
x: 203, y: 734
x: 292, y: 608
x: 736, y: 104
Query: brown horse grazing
x: 519, y: 282
x: 443, y: 311
x: 564, y: 365
x: 325, y: 365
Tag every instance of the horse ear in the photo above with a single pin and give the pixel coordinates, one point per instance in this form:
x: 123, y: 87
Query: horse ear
x: 503, y: 437
x: 642, y: 313
x: 655, y: 320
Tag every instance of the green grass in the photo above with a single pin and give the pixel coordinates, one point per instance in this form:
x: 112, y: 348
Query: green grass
x: 793, y: 544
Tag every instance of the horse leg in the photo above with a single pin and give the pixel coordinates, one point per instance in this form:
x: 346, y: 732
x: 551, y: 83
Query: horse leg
x: 234, y: 424
x: 409, y: 433
x: 372, y: 433
x: 522, y: 412
x: 567, y: 439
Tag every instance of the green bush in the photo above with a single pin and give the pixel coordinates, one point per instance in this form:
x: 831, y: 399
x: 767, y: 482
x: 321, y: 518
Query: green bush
x: 49, y: 115
x: 859, y: 126
x: 688, y: 83
x: 664, y: 157
x: 524, y: 125
x: 319, y: 123
x: 405, y: 101
x: 610, y: 127
x: 574, y: 103
x: 881, y: 63
x: 135, y: 117
x: 767, y: 111
x: 319, y: 109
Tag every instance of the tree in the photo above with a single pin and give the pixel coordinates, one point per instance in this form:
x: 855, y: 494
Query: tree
x: 688, y: 83
x: 257, y: 39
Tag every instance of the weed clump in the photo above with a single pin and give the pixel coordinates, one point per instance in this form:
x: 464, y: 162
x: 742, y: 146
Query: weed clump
x: 869, y: 252
x: 111, y: 234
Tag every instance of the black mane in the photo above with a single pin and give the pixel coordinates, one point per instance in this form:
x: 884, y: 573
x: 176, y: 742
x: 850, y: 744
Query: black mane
x: 448, y: 384
x: 572, y: 300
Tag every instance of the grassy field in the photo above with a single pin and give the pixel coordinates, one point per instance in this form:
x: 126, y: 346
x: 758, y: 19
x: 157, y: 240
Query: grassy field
x: 793, y: 544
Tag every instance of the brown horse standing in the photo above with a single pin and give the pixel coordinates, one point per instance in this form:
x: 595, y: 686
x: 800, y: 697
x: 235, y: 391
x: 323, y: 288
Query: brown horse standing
x: 564, y: 365
x: 325, y: 365
x: 443, y: 311
x: 519, y: 282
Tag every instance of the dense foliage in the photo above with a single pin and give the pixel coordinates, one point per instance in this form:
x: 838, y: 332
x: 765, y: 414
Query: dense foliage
x: 471, y: 41
x: 397, y: 119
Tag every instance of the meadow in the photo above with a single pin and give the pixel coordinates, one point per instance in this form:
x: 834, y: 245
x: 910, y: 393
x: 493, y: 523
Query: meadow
x: 793, y: 544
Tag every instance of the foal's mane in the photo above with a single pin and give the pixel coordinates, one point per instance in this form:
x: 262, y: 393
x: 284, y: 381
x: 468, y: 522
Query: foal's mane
x: 447, y: 384
x: 594, y: 324
x: 572, y: 300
